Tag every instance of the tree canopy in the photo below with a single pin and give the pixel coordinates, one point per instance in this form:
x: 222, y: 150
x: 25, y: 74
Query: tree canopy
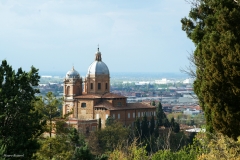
x: 214, y: 28
x: 20, y: 123
x: 48, y: 107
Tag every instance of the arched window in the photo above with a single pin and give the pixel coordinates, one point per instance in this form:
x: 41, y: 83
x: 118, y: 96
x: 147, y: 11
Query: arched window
x: 68, y: 90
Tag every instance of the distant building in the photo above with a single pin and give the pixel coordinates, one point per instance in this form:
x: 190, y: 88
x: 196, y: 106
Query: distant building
x: 163, y: 81
x: 90, y: 99
x: 188, y: 81
x: 191, y: 112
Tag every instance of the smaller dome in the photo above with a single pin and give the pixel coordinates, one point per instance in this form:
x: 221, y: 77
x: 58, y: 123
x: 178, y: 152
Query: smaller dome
x: 72, y: 74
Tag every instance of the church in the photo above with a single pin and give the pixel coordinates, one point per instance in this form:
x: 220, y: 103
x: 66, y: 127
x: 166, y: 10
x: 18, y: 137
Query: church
x: 90, y: 99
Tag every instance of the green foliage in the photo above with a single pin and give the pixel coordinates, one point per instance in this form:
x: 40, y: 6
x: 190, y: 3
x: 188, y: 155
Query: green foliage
x: 175, y: 126
x: 56, y: 148
x: 108, y: 138
x: 82, y: 153
x: 2, y: 151
x: 160, y: 114
x: 169, y: 155
x: 20, y: 122
x: 60, y: 126
x: 162, y: 119
x: 220, y: 147
x: 152, y: 125
x: 153, y: 103
x: 213, y: 27
x: 110, y: 121
x: 137, y: 128
x: 132, y: 152
x: 48, y: 107
x: 144, y: 127
x: 74, y: 136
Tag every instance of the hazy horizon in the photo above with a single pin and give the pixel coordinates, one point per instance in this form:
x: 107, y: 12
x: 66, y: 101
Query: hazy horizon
x: 134, y: 36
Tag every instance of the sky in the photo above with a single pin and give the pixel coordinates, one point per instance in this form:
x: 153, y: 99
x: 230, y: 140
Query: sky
x: 133, y: 36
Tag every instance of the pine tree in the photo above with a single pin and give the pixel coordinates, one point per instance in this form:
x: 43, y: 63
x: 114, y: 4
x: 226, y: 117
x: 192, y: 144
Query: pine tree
x: 214, y: 27
x: 48, y: 107
x: 20, y: 122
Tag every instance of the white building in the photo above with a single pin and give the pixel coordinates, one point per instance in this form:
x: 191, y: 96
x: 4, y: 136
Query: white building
x: 191, y: 112
x: 163, y: 81
x: 188, y: 81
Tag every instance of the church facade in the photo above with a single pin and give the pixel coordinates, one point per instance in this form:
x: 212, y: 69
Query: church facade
x: 90, y: 99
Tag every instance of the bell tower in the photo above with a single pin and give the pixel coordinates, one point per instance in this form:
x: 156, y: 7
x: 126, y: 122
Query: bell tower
x: 72, y: 87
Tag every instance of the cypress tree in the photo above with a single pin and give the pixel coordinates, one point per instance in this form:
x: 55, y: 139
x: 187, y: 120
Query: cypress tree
x: 137, y: 128
x: 159, y: 113
x: 153, y: 103
x: 161, y: 116
x: 144, y: 127
x: 214, y: 27
x: 99, y: 124
x: 152, y: 125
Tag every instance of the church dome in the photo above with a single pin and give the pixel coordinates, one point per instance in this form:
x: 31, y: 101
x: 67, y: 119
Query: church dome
x: 72, y: 74
x: 98, y: 67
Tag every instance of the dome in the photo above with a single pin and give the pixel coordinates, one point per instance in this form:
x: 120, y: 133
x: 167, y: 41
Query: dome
x: 72, y: 74
x: 98, y: 67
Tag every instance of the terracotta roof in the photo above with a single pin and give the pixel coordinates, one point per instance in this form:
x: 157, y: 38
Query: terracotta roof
x: 107, y: 105
x: 93, y: 96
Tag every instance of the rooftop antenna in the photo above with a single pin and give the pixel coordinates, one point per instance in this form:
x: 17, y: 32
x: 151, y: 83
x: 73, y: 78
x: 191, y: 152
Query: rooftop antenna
x: 98, y: 47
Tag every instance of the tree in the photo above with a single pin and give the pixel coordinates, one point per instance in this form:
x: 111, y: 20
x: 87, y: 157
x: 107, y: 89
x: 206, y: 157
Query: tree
x: 159, y: 113
x: 162, y: 119
x: 61, y: 128
x: 20, y: 123
x: 74, y: 136
x: 144, y: 127
x: 99, y: 124
x: 175, y: 126
x: 213, y: 28
x: 137, y: 128
x: 57, y: 147
x: 2, y: 151
x: 110, y: 121
x: 82, y: 153
x: 48, y: 107
x: 153, y: 103
x: 108, y: 138
x: 152, y: 125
